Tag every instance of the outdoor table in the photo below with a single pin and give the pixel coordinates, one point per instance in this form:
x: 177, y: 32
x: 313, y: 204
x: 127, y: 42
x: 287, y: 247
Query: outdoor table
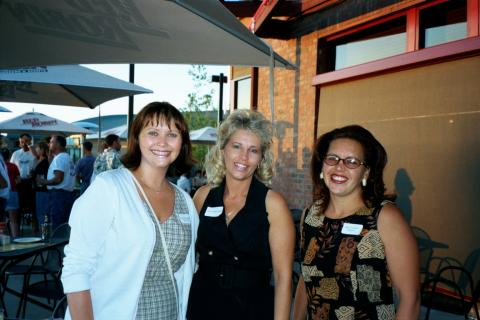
x: 13, y: 253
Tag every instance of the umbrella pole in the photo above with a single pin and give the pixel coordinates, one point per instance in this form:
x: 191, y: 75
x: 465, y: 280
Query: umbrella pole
x: 130, y: 99
x: 99, y: 129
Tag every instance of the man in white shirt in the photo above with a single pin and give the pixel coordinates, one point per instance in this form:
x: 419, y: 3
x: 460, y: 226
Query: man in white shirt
x: 60, y: 182
x: 26, y: 161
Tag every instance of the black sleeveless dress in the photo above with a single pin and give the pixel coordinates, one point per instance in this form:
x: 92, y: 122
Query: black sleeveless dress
x: 233, y: 278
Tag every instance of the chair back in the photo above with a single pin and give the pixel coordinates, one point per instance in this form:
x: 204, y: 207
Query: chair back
x: 425, y: 252
x: 54, y: 259
x: 472, y: 264
x: 62, y: 231
x: 448, y: 278
x: 60, y: 308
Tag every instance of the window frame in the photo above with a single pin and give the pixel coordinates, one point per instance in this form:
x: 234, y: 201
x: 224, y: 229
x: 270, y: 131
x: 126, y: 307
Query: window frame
x: 413, y: 55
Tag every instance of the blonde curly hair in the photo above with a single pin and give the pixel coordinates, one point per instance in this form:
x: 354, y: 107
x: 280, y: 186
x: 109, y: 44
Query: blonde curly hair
x: 254, y: 122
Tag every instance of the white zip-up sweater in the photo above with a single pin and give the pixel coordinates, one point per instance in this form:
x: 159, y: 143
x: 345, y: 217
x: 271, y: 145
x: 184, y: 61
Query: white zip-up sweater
x: 111, y: 242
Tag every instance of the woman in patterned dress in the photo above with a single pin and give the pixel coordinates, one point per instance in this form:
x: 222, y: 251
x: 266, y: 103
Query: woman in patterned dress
x: 131, y: 253
x: 356, y: 247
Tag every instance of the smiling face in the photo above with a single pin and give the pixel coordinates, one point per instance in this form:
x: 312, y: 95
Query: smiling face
x: 340, y: 180
x: 24, y: 142
x: 160, y: 144
x: 242, y: 155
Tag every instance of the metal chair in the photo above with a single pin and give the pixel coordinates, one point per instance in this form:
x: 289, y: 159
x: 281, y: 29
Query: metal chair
x: 60, y: 308
x: 297, y: 268
x: 445, y: 292
x: 425, y: 253
x: 50, y: 287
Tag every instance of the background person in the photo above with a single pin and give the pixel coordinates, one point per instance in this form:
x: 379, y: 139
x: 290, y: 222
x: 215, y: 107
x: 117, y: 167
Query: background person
x: 84, y: 167
x: 355, y: 246
x: 110, y: 157
x: 131, y: 253
x: 26, y: 161
x: 60, y: 182
x: 4, y: 185
x: 12, y: 205
x: 245, y: 228
x: 42, y: 206
x: 184, y: 183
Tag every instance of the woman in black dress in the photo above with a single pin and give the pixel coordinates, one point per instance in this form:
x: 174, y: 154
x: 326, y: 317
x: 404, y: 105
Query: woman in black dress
x: 245, y: 230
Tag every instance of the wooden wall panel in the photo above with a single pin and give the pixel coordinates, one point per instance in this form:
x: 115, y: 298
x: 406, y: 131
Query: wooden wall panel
x: 428, y: 119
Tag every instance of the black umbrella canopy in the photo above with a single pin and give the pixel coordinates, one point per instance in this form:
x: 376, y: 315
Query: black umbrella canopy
x: 52, y: 32
x: 70, y: 85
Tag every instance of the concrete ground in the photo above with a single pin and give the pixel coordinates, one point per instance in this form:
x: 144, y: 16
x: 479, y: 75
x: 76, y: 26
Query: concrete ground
x: 33, y: 312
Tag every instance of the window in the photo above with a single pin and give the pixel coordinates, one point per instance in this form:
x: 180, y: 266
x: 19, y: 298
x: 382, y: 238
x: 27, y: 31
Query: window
x: 443, y: 23
x: 381, y: 41
x: 242, y: 93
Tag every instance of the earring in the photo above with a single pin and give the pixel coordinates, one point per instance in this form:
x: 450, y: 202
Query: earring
x: 321, y: 175
x: 364, y: 182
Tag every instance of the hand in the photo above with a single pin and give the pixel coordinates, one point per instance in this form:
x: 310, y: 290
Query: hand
x: 40, y: 181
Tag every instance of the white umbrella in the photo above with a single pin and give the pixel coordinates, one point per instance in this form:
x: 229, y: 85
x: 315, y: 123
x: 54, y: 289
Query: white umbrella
x: 3, y: 109
x: 71, y: 85
x: 121, y: 131
x: 206, y: 135
x: 51, y: 32
x: 35, y: 122
x: 86, y: 125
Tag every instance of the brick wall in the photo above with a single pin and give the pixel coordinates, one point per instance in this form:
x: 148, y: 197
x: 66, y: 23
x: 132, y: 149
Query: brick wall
x: 294, y: 117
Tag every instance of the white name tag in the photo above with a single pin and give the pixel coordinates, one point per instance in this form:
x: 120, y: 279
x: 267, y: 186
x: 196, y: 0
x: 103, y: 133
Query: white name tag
x: 213, y: 211
x: 352, y: 228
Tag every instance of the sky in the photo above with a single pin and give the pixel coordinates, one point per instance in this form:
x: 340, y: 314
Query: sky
x: 170, y: 83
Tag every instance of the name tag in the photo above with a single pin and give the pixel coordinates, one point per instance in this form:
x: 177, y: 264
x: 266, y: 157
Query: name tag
x: 352, y: 228
x: 213, y: 211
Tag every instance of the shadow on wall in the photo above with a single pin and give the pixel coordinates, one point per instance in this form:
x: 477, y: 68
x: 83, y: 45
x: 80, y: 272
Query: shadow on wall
x: 404, y: 189
x: 292, y: 177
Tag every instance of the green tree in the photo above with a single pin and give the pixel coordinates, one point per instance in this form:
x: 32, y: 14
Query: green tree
x: 198, y: 113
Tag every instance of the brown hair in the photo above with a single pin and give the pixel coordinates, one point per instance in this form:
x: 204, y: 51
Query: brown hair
x: 159, y: 112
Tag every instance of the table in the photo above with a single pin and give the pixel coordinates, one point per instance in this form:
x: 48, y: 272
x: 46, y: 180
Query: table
x: 13, y: 253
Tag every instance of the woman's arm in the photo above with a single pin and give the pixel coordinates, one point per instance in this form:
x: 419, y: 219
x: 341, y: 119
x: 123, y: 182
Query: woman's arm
x: 80, y: 305
x: 300, y: 302
x: 88, y: 234
x: 200, y: 196
x: 402, y: 259
x: 282, y: 243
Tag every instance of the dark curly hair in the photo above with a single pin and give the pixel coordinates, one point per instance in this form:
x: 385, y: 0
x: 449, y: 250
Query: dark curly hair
x: 375, y: 160
x: 159, y: 112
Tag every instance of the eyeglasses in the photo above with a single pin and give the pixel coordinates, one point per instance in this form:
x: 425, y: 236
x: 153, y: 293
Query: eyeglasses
x: 349, y: 162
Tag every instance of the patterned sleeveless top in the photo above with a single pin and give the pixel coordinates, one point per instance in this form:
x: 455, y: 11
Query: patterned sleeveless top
x: 344, y: 266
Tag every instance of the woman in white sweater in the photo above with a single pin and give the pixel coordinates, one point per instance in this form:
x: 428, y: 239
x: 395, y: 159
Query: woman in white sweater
x: 131, y: 249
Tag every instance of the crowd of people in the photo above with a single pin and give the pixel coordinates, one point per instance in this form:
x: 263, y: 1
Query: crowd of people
x: 39, y: 182
x: 142, y: 248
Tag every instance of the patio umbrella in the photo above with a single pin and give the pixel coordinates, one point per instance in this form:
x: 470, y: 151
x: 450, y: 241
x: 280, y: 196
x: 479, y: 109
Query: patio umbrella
x: 86, y: 125
x: 121, y: 131
x: 206, y: 135
x: 35, y: 122
x: 63, y: 85
x: 3, y: 109
x: 52, y: 32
